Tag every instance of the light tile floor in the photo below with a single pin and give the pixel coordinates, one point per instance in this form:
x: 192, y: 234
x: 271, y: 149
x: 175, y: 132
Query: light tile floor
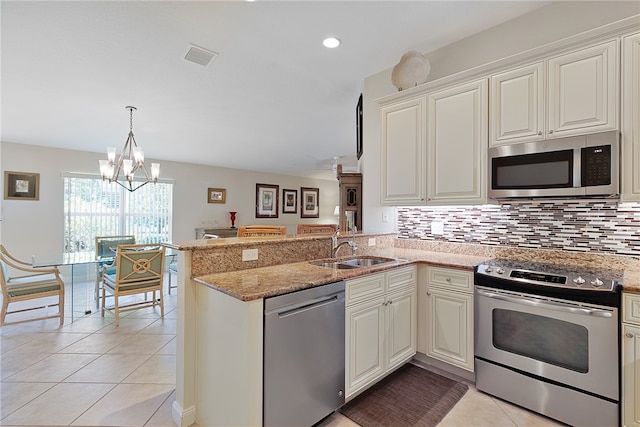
x: 90, y: 373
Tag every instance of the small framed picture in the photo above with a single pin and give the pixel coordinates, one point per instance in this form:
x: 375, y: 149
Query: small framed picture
x: 289, y: 201
x: 309, y: 202
x: 216, y: 195
x: 359, y: 128
x: 21, y: 186
x: 267, y: 201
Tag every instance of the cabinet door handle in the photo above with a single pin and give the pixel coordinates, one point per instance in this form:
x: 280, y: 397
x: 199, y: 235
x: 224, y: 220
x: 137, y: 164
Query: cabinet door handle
x: 551, y: 131
x: 628, y: 335
x: 390, y: 301
x: 539, y: 132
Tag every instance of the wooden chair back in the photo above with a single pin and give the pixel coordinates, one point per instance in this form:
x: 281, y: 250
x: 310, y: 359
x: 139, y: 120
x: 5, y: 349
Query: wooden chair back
x: 262, y: 230
x: 106, y: 246
x: 316, y: 228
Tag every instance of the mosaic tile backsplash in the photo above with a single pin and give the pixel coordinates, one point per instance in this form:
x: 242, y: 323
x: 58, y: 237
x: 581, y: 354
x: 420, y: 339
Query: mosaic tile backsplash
x: 584, y: 226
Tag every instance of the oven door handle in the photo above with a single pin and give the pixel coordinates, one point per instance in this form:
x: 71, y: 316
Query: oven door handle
x: 551, y: 305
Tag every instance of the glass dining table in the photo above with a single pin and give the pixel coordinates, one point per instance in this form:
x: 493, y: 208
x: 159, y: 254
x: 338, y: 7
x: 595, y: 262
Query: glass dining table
x: 82, y: 268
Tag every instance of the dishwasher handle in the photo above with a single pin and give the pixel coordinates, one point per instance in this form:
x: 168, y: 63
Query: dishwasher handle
x: 306, y: 305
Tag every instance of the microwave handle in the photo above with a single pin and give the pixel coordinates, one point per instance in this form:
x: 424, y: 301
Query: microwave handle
x: 551, y: 305
x: 577, y: 167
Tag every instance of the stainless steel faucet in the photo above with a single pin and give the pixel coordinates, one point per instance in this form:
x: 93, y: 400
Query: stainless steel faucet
x: 335, y: 246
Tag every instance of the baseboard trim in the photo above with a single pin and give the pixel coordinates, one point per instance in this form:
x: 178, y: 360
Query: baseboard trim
x: 183, y: 417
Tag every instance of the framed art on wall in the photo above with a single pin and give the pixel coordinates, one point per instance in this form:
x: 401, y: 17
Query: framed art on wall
x: 359, y: 128
x: 216, y: 195
x: 289, y: 201
x: 21, y: 186
x: 309, y: 202
x: 267, y: 201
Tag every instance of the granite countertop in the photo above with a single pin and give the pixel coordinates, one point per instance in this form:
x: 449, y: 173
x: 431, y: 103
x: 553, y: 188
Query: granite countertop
x: 247, y: 285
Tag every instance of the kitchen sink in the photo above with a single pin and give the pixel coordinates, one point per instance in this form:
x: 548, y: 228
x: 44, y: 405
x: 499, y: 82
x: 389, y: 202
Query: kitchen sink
x: 367, y: 262
x: 353, y: 263
x: 332, y: 264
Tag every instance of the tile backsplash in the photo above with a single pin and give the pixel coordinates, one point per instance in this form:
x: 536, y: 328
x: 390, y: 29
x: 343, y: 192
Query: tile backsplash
x: 584, y: 226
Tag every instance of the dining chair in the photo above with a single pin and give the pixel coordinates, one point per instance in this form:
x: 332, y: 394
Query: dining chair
x: 28, y: 283
x: 316, y: 228
x: 139, y: 270
x: 106, y: 247
x: 262, y: 230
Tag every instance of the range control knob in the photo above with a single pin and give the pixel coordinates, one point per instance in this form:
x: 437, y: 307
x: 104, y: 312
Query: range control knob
x: 597, y: 283
x: 500, y: 270
x: 489, y: 269
x: 579, y: 281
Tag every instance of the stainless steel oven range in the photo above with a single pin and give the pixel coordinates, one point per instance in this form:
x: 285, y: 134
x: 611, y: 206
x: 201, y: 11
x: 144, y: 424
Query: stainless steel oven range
x: 547, y: 339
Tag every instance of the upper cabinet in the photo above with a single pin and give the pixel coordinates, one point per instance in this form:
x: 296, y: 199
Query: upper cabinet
x: 403, y: 152
x: 581, y: 96
x: 457, y: 144
x: 517, y: 105
x: 631, y: 118
x: 434, y: 147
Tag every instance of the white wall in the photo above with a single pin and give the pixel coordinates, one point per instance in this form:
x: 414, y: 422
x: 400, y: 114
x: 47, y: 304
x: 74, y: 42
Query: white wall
x: 545, y: 25
x: 36, y: 227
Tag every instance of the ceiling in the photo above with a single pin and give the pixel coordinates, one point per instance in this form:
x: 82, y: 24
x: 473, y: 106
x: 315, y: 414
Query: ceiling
x: 273, y: 100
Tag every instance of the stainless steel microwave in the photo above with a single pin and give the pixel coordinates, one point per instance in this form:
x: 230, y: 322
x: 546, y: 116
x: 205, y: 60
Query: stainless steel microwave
x: 577, y: 166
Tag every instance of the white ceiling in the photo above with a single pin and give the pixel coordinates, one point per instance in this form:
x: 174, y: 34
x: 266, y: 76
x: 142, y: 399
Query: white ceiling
x: 274, y: 100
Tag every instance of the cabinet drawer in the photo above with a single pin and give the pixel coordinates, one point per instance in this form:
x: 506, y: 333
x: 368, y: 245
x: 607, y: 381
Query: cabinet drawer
x: 631, y: 308
x: 363, y: 288
x: 450, y: 279
x: 401, y: 278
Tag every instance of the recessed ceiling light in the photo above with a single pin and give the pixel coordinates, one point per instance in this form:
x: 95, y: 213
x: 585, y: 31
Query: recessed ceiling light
x: 331, y: 42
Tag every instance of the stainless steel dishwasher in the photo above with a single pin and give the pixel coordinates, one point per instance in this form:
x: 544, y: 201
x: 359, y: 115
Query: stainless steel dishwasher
x: 303, y: 356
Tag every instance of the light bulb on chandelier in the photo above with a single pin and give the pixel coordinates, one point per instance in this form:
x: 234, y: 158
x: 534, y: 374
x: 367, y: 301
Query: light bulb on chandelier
x: 130, y: 160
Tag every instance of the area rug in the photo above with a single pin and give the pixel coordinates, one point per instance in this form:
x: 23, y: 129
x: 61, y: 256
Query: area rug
x: 411, y: 396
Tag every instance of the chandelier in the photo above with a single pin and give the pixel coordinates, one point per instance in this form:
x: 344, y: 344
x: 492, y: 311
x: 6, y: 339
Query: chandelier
x: 131, y: 159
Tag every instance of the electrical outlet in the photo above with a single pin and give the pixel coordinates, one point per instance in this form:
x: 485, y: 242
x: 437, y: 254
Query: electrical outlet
x: 437, y: 227
x: 250, y: 255
x: 372, y: 241
x: 385, y: 216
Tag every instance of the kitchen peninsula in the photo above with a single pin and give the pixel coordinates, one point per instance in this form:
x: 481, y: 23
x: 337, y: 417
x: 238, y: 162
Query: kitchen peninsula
x: 220, y: 306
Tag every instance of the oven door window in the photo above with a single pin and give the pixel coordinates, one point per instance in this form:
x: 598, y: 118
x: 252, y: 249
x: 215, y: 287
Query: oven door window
x: 533, y: 171
x: 542, y: 338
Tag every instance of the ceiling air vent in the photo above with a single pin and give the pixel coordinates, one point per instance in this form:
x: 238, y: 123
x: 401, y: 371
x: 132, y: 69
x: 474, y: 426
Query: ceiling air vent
x: 200, y: 55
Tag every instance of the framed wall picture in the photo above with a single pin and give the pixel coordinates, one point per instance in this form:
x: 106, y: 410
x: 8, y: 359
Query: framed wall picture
x: 309, y: 202
x: 359, y: 128
x: 216, y: 195
x: 267, y: 201
x: 21, y: 186
x: 289, y: 201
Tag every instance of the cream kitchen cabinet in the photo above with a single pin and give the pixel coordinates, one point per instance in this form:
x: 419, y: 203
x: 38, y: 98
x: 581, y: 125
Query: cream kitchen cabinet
x: 630, y: 360
x: 580, y: 97
x: 631, y: 118
x: 380, y: 331
x: 457, y: 144
x: 403, y: 155
x: 449, y: 316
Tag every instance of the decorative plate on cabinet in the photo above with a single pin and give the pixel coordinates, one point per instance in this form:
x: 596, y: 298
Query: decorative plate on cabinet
x: 412, y: 70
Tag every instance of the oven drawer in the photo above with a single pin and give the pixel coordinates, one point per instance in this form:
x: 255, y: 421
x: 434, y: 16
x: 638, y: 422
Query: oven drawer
x: 631, y: 308
x: 451, y: 279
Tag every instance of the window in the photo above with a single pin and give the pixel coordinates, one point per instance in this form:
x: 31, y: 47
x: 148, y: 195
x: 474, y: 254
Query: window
x: 93, y: 207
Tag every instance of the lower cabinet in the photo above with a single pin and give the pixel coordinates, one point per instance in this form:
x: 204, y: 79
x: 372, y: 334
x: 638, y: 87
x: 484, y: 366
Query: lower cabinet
x: 631, y: 360
x: 449, y: 316
x: 380, y: 333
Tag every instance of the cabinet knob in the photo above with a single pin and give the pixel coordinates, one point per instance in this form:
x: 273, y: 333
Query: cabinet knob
x: 448, y: 279
x: 628, y: 335
x: 390, y: 301
x: 428, y: 293
x: 539, y: 132
x: 551, y: 131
